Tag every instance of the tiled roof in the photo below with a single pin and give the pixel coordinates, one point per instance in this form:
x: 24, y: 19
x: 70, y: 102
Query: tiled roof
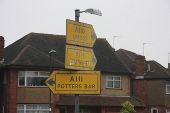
x: 98, y: 101
x: 33, y: 50
x: 157, y: 71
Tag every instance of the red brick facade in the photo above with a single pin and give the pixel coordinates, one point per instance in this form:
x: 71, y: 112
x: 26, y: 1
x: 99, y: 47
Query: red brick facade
x: 1, y: 47
x: 12, y: 91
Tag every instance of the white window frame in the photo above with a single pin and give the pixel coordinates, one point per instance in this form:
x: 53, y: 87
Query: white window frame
x: 167, y: 110
x: 113, y: 80
x: 37, y: 106
x: 154, y: 109
x: 167, y: 86
x: 26, y: 76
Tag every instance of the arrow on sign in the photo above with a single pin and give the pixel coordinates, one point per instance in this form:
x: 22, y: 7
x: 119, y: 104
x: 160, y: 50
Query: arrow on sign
x: 78, y: 33
x: 74, y: 82
x: 51, y: 82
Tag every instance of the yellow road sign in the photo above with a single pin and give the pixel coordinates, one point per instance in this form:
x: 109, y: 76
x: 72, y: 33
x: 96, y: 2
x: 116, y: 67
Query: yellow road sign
x: 79, y: 58
x: 78, y: 33
x: 74, y: 82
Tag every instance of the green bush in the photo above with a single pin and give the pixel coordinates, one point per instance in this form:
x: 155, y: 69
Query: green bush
x: 127, y: 107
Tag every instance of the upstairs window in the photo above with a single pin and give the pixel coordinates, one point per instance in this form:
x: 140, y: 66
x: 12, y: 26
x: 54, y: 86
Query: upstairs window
x: 32, y: 78
x: 113, y: 82
x: 168, y: 87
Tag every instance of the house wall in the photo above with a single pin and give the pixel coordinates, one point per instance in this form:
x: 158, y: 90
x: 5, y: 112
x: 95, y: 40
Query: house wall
x: 140, y: 88
x: 124, y: 91
x: 167, y: 99
x: 33, y: 95
x: 156, y: 92
x: 12, y: 91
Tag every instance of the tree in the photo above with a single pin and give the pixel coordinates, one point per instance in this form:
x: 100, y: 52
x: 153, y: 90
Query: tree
x: 127, y: 107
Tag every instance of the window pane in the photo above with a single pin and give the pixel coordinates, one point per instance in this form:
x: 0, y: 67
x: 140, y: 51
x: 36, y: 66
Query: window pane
x: 31, y: 81
x: 43, y: 73
x: 20, y: 111
x: 31, y: 111
x: 31, y: 107
x: 21, y: 73
x: 21, y: 107
x: 110, y: 84
x: 117, y: 78
x: 32, y: 73
x: 62, y: 110
x: 43, y: 107
x: 167, y: 89
x: 21, y: 81
x: 116, y: 84
x: 109, y: 78
x: 41, y: 81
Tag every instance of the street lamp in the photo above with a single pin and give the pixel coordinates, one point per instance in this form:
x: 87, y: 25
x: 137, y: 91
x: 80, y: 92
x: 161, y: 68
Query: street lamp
x: 90, y: 10
x: 77, y: 15
x: 52, y: 51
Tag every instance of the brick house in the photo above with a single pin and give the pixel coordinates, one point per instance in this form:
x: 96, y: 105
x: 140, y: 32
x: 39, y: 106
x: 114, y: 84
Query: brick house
x: 28, y: 63
x: 151, y: 81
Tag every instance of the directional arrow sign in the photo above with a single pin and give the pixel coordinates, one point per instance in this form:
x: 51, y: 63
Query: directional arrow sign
x: 74, y: 82
x: 79, y: 58
x: 78, y: 33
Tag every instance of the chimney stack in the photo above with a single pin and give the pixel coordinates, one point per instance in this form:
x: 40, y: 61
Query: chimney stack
x: 2, y: 41
x: 140, y: 65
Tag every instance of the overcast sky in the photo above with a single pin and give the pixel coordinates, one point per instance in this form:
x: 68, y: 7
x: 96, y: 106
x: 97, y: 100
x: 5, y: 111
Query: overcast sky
x: 134, y: 22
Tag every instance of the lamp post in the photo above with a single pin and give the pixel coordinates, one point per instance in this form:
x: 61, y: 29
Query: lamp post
x: 50, y: 53
x: 91, y: 11
x: 77, y: 16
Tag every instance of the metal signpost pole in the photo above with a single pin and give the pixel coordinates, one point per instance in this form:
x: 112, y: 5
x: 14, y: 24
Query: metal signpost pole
x: 77, y: 15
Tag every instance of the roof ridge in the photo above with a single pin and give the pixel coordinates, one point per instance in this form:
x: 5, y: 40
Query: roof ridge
x: 20, y: 53
x: 26, y: 38
x: 163, y: 68
x: 32, y: 47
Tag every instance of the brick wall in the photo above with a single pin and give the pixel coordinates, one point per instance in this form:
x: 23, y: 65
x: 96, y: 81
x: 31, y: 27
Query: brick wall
x: 1, y: 47
x: 140, y: 89
x: 12, y: 91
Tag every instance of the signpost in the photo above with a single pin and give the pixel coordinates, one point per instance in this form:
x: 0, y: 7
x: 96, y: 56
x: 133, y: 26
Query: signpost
x: 78, y: 33
x: 79, y: 58
x: 74, y: 82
